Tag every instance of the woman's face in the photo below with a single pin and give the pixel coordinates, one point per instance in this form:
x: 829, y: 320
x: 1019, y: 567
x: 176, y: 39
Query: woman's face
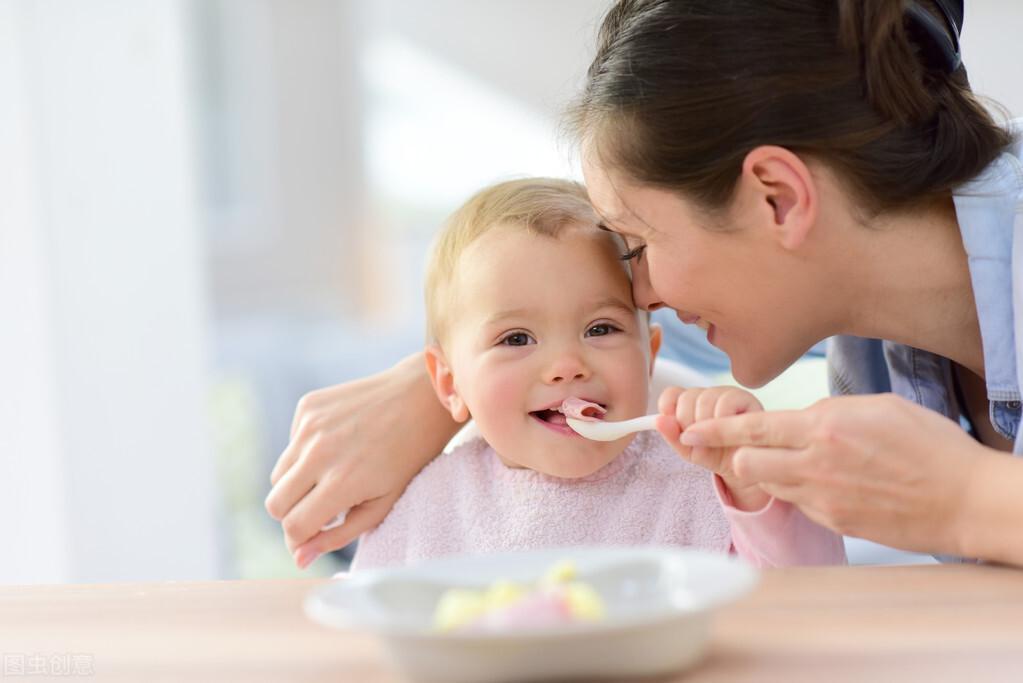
x: 728, y: 276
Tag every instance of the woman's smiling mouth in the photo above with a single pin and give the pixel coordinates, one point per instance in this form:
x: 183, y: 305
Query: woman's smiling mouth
x: 692, y: 319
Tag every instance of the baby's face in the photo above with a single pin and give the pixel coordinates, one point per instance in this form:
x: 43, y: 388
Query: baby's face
x: 538, y: 320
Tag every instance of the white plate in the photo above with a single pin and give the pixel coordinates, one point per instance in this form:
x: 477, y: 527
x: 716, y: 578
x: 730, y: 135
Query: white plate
x: 659, y: 603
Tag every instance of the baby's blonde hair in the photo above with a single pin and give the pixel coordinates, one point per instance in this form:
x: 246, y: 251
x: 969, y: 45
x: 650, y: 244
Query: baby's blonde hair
x: 541, y: 206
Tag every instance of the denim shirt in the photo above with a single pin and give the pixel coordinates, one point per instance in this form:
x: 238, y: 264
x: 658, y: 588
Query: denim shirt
x: 990, y: 214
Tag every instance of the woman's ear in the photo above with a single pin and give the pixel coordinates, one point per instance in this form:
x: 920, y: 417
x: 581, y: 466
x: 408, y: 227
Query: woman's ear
x: 656, y: 336
x: 785, y: 190
x: 444, y: 383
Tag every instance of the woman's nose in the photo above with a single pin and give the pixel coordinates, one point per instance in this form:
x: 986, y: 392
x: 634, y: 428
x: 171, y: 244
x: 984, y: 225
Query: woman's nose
x: 642, y: 291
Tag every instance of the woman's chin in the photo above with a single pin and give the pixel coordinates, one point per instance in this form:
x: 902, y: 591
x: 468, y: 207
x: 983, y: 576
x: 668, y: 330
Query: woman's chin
x: 753, y: 377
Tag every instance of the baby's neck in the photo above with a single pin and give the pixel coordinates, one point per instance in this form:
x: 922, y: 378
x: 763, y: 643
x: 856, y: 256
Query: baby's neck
x: 606, y: 469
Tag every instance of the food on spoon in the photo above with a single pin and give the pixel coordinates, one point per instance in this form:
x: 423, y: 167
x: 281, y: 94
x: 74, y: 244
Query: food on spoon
x: 582, y: 410
x: 557, y: 598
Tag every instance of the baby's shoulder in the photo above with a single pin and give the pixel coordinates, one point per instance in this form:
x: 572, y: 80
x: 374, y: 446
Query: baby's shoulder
x: 465, y: 461
x: 450, y: 475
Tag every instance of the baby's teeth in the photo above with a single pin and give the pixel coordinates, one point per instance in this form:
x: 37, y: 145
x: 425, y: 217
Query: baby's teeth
x: 703, y: 324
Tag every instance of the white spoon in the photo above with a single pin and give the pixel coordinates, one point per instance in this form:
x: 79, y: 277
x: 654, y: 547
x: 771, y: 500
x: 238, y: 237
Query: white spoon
x: 609, y: 431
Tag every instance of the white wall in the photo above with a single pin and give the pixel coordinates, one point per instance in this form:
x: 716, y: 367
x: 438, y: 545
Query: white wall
x: 33, y: 534
x: 106, y: 464
x: 992, y: 52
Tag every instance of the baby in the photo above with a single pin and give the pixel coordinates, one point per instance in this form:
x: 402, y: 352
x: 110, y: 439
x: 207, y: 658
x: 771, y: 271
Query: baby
x: 527, y: 304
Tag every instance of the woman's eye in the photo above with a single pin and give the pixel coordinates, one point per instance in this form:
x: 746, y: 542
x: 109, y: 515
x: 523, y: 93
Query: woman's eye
x: 636, y: 253
x: 516, y: 339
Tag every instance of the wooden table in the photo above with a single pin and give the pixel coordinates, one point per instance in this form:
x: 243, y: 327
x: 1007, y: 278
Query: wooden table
x: 907, y: 623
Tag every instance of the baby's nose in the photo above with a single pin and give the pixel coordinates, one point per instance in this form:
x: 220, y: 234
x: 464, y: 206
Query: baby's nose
x: 567, y: 366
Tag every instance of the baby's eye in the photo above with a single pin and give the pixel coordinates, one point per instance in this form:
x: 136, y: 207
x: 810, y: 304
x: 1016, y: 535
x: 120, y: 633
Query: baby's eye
x: 601, y: 330
x: 636, y: 253
x: 517, y: 339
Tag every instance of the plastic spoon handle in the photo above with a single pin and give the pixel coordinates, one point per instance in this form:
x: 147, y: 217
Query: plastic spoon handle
x: 609, y: 431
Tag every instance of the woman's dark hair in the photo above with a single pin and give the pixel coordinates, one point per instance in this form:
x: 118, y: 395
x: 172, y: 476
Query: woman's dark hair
x: 681, y: 90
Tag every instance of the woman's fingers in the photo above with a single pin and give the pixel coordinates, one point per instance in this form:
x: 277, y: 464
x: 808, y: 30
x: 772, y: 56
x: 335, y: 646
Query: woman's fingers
x: 307, y: 496
x: 293, y: 452
x: 315, y: 422
x: 781, y: 467
x: 360, y: 519
x: 284, y: 463
x: 306, y: 517
x: 289, y: 490
x: 782, y: 429
x: 318, y: 504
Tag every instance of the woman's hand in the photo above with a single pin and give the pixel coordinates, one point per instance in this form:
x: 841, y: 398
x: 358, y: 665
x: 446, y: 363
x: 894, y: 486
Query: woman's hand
x: 681, y: 408
x: 882, y: 468
x: 355, y: 445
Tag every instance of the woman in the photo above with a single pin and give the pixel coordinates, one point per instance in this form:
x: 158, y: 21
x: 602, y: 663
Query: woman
x: 782, y: 173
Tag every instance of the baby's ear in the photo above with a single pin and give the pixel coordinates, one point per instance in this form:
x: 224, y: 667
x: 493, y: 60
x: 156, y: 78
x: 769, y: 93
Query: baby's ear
x: 444, y: 383
x: 656, y: 336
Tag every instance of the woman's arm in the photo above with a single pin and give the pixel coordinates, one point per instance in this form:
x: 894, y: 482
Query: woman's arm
x: 991, y: 525
x: 355, y: 445
x: 882, y: 468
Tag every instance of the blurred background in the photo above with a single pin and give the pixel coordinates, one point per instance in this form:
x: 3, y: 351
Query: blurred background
x: 211, y: 207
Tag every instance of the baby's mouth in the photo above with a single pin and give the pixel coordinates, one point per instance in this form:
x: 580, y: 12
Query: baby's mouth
x: 587, y: 410
x: 551, y: 415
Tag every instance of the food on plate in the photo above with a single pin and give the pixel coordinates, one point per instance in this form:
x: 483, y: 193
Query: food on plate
x: 557, y: 598
x: 582, y: 410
